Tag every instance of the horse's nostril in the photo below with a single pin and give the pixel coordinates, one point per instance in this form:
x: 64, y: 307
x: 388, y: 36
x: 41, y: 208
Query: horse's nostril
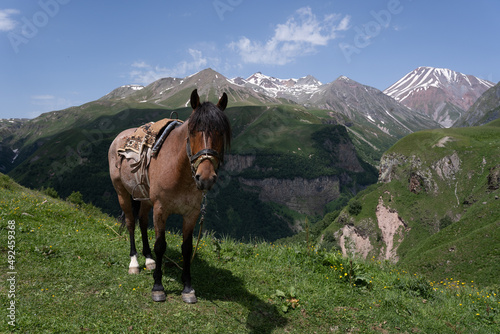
x: 197, y: 177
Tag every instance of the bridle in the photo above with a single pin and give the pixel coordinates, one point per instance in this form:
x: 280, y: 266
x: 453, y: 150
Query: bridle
x: 205, y: 154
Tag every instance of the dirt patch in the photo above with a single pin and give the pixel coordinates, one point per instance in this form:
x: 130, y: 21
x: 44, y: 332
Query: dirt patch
x: 391, y: 226
x: 442, y: 141
x: 353, y: 242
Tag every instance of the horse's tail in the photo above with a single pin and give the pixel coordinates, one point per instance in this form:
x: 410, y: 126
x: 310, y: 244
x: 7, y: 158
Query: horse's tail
x: 136, y: 205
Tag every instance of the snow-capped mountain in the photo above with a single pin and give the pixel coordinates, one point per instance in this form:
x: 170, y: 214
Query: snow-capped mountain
x: 362, y: 104
x: 292, y: 89
x: 441, y: 93
x: 122, y: 92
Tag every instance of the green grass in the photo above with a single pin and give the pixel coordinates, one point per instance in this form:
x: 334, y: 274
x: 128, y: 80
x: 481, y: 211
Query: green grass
x: 71, y: 276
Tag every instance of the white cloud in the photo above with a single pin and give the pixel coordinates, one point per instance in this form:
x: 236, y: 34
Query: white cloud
x: 144, y: 73
x: 140, y: 64
x: 6, y: 21
x: 45, y: 103
x: 300, y: 35
x: 39, y: 98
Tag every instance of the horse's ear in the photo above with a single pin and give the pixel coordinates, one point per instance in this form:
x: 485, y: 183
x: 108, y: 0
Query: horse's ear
x: 222, y: 104
x: 195, y: 99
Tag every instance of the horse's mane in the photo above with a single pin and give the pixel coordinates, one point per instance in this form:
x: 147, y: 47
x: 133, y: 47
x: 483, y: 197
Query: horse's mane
x: 210, y: 119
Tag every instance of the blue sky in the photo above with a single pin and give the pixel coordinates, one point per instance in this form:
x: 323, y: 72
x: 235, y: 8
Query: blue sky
x: 60, y: 53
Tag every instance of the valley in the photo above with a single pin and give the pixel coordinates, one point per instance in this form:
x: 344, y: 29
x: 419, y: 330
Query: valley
x: 304, y: 151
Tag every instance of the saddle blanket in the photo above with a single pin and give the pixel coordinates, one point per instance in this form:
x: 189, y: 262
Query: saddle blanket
x: 139, y: 148
x: 145, y: 135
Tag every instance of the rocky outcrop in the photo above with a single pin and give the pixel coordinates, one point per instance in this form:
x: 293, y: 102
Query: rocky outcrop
x: 303, y: 195
x: 388, y: 165
x: 494, y: 178
x: 447, y: 167
x: 418, y: 176
x: 236, y: 163
x: 396, y: 166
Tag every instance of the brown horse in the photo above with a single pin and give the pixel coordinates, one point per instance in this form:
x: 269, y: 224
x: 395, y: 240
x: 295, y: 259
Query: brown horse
x: 177, y: 180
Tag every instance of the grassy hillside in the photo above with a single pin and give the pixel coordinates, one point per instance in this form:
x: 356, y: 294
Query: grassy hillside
x: 289, y: 141
x: 70, y: 270
x: 443, y: 185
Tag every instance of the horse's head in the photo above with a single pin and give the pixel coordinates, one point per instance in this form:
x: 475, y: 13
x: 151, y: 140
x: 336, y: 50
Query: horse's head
x: 209, y: 136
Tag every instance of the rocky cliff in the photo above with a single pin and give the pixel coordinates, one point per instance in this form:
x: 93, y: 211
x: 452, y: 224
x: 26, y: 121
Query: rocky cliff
x: 308, y: 196
x: 436, y: 200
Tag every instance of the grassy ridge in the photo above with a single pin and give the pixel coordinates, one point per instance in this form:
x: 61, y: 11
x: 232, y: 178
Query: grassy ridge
x: 72, y: 277
x: 452, y: 214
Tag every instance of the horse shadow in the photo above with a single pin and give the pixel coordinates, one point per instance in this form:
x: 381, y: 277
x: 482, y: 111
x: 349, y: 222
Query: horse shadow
x: 217, y: 284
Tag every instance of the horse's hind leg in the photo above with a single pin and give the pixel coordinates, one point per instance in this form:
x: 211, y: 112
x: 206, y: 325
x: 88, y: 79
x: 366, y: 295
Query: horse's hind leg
x: 129, y: 206
x: 143, y: 224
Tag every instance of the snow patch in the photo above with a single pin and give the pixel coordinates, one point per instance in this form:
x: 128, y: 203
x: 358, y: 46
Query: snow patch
x: 16, y: 154
x: 134, y: 87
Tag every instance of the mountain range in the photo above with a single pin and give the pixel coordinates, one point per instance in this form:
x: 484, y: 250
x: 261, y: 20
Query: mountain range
x: 363, y: 104
x: 441, y: 94
x: 294, y: 134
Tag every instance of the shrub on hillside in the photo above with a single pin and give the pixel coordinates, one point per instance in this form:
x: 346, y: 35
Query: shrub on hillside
x: 50, y: 192
x: 355, y: 207
x: 75, y: 198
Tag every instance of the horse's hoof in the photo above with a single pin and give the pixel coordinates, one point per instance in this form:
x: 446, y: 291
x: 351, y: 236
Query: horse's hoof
x: 189, y: 297
x: 158, y: 296
x: 150, y: 264
x: 133, y: 270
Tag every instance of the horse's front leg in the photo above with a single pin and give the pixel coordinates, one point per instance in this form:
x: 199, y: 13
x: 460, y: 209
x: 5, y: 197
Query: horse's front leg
x: 158, y: 292
x: 188, y: 294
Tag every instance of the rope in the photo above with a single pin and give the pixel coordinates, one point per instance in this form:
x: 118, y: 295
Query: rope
x: 202, y: 211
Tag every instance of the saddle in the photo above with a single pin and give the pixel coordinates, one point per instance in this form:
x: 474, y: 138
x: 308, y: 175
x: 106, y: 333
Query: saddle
x: 143, y: 144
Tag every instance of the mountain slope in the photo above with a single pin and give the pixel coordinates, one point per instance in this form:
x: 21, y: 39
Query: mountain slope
x: 288, y: 159
x: 297, y: 90
x: 358, y: 102
x: 440, y: 93
x: 436, y: 208
x: 171, y: 92
x: 484, y: 110
x: 369, y: 106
